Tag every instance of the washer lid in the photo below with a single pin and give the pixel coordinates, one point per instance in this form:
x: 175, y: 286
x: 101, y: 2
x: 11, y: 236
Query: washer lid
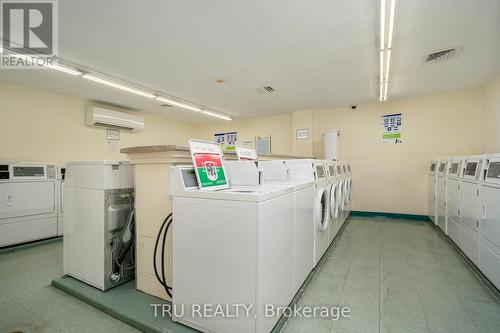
x: 237, y: 193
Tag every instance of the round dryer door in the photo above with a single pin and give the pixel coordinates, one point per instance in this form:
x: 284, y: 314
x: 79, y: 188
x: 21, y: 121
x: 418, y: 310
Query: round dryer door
x: 321, y: 209
x: 346, y: 193
x: 340, y: 195
x: 334, y: 207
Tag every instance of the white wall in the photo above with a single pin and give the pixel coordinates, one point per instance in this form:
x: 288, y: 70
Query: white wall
x: 387, y: 178
x: 42, y: 126
x: 492, y: 117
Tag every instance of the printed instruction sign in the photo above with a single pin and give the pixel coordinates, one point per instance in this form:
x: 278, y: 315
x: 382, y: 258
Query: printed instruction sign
x: 220, y: 138
x: 209, y: 167
x: 246, y: 154
x: 392, y: 125
x: 231, y: 138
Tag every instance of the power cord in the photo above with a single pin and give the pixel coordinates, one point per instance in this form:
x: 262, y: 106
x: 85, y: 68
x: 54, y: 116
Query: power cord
x: 162, y: 232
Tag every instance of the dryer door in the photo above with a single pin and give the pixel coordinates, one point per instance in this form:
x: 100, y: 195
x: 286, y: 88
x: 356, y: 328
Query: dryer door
x: 321, y: 206
x: 340, y: 195
x: 334, y: 207
x: 28, y: 198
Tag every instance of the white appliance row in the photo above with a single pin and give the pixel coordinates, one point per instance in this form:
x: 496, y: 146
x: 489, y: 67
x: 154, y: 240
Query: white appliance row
x: 31, y: 197
x: 466, y: 192
x: 256, y: 242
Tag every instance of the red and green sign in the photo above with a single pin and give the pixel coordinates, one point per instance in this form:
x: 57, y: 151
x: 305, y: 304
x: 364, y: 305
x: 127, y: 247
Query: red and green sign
x: 210, y: 171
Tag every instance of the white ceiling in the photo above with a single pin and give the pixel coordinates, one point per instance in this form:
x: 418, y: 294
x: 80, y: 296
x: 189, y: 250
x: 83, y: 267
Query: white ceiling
x: 315, y: 54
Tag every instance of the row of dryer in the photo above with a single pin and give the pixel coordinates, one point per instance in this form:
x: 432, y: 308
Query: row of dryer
x: 464, y: 193
x: 256, y: 242
x: 31, y: 201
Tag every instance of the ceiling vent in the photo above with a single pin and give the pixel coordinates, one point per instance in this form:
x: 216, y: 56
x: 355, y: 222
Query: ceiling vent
x: 265, y: 90
x: 440, y: 56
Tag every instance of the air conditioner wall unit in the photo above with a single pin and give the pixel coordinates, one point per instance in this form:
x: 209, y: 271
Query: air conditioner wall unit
x: 96, y: 115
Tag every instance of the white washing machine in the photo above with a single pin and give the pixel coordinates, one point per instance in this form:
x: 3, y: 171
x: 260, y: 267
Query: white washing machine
x: 276, y: 172
x: 343, y: 184
x: 453, y: 198
x: 99, y: 242
x: 232, y: 246
x: 28, y: 207
x: 470, y: 210
x: 315, y: 170
x: 441, y: 195
x: 431, y: 184
x: 61, y: 173
x: 334, y: 200
x: 489, y: 226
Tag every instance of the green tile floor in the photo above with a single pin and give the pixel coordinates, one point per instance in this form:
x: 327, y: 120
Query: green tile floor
x: 396, y: 276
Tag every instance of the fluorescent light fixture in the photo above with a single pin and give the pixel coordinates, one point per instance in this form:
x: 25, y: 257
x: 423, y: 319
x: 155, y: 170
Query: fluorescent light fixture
x: 391, y: 23
x: 118, y: 86
x: 386, y: 85
x: 382, y: 66
x: 64, y: 69
x: 382, y: 24
x: 179, y: 104
x: 388, y: 65
x: 216, y: 115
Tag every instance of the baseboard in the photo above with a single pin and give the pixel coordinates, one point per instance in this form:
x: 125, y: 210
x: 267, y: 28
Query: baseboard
x: 413, y: 217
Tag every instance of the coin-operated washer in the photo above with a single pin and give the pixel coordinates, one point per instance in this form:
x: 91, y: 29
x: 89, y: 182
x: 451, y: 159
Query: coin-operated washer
x: 277, y: 173
x: 231, y: 246
x: 99, y: 235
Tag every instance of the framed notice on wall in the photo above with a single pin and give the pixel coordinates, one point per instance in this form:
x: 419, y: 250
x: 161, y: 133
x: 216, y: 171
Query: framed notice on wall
x: 392, y: 125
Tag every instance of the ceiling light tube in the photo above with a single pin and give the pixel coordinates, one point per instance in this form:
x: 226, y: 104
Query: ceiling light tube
x: 381, y: 66
x: 118, y: 86
x: 382, y: 24
x: 64, y: 69
x: 386, y: 85
x: 388, y: 65
x: 179, y: 104
x: 391, y: 23
x: 216, y: 115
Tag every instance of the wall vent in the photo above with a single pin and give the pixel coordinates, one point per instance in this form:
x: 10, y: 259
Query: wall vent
x: 440, y: 56
x: 265, y: 90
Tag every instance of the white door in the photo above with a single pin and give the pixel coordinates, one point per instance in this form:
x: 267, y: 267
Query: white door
x: 490, y: 211
x: 469, y: 213
x: 26, y: 199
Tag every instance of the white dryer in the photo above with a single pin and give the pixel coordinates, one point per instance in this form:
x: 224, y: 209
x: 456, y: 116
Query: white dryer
x: 453, y: 198
x: 232, y: 246
x: 28, y: 208
x: 334, y: 199
x: 342, y: 193
x: 316, y: 170
x: 470, y: 210
x: 441, y: 195
x: 276, y: 172
x: 489, y: 226
x: 431, y: 184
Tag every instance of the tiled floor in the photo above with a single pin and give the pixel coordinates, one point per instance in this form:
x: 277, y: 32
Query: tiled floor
x: 28, y: 303
x: 396, y: 276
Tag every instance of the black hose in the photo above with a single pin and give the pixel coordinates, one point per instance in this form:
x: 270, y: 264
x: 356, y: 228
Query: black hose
x: 165, y: 225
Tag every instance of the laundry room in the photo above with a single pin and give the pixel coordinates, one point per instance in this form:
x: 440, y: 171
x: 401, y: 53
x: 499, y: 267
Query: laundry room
x: 235, y: 166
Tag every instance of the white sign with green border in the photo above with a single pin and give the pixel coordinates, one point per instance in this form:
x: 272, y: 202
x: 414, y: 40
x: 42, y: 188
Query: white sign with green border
x: 392, y: 125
